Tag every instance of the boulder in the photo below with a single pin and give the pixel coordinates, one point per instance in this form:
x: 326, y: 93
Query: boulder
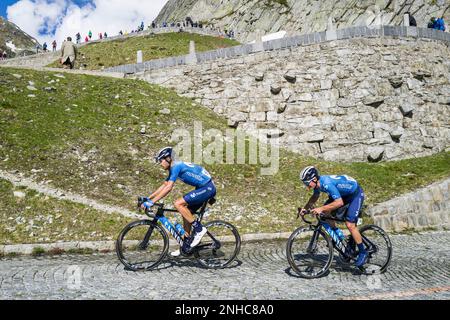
x: 164, y: 111
x: 396, y: 134
x: 259, y: 76
x: 326, y: 84
x: 238, y: 117
x: 304, y: 97
x: 19, y: 194
x: 233, y: 123
x: 406, y: 109
x: 275, y: 88
x: 374, y: 101
x: 375, y: 154
x: 275, y: 135
x: 290, y: 77
x: 396, y: 81
x: 346, y: 103
x: 421, y: 74
x: 281, y: 108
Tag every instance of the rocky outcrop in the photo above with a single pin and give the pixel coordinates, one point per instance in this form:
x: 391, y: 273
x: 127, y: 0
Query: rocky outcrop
x: 422, y: 209
x: 15, y: 41
x: 371, y: 99
x: 251, y: 19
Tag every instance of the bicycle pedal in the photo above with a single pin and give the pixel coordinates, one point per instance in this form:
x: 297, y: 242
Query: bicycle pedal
x: 187, y: 252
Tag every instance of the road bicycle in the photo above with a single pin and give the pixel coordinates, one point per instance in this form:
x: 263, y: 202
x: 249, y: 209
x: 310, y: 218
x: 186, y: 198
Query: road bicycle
x: 143, y: 244
x: 309, y: 249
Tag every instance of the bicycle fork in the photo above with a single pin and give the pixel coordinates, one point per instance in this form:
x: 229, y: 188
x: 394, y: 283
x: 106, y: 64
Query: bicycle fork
x: 144, y: 243
x: 312, y: 247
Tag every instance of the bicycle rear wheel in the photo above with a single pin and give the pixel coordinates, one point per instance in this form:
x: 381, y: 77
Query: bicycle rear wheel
x: 219, y: 246
x: 142, y: 245
x: 379, y: 248
x: 309, y: 252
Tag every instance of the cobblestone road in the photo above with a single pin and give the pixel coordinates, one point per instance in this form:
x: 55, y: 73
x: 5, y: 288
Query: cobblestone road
x: 420, y: 269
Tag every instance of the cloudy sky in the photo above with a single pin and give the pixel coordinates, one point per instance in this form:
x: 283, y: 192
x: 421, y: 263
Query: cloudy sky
x: 47, y: 20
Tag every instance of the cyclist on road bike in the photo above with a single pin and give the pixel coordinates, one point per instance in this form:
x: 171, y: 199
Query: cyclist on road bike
x: 190, y: 174
x: 341, y: 190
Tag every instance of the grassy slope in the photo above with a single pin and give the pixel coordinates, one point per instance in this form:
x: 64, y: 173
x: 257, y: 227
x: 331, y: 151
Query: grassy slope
x: 38, y: 218
x: 119, y: 52
x: 83, y: 139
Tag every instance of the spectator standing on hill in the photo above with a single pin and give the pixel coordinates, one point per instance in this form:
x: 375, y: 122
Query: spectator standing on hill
x: 38, y: 46
x: 90, y: 34
x: 4, y: 55
x: 440, y: 24
x: 44, y: 47
x: 412, y: 21
x: 54, y: 45
x: 86, y: 39
x: 78, y: 37
x: 431, y: 23
x: 105, y: 35
x: 68, y: 53
x: 153, y: 24
x: 100, y: 35
x: 121, y: 33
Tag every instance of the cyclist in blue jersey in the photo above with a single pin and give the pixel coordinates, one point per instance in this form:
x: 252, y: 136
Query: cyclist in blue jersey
x: 341, y: 190
x: 190, y: 174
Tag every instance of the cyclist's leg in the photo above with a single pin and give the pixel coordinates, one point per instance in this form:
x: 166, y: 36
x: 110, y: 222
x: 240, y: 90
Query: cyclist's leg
x: 195, y: 199
x: 187, y: 227
x: 182, y: 206
x: 351, y: 218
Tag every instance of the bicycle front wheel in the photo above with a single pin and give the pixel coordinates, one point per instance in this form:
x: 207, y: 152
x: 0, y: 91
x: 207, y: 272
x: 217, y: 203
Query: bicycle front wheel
x: 309, y: 252
x: 219, y: 246
x: 142, y: 245
x: 379, y: 248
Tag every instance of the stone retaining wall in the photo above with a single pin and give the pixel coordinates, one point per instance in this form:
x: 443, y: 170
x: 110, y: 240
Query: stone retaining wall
x: 421, y: 209
x: 358, y: 99
x: 289, y: 42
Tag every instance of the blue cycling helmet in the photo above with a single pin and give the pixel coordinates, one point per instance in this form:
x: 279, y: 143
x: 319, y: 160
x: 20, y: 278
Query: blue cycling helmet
x: 308, y: 174
x: 164, y: 153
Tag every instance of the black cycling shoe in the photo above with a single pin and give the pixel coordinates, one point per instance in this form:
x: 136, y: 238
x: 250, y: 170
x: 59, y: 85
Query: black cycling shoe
x: 186, y: 249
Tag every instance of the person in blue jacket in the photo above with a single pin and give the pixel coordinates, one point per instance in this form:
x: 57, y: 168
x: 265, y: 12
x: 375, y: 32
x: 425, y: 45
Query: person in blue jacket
x: 341, y: 190
x: 193, y: 175
x: 440, y: 24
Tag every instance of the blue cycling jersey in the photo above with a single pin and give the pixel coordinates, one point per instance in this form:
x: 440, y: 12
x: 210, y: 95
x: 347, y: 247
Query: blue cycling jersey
x: 189, y: 173
x: 337, y: 186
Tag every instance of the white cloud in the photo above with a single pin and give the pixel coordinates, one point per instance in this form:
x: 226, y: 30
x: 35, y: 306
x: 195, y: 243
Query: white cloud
x: 57, y: 19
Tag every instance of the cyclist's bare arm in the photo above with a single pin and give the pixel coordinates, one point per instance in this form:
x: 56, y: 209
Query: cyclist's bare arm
x: 336, y: 204
x: 165, y: 189
x: 154, y: 194
x: 312, y: 200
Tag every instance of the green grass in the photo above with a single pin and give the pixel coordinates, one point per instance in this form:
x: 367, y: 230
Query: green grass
x: 38, y: 251
x: 80, y: 138
x: 37, y: 218
x: 118, y: 52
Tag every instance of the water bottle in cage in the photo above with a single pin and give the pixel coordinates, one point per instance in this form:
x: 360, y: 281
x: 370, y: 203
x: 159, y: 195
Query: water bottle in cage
x: 179, y: 228
x: 331, y: 232
x: 339, y: 233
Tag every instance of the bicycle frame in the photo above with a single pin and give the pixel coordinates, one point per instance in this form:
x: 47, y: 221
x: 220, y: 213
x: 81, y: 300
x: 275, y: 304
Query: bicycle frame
x: 338, y: 244
x: 159, y: 217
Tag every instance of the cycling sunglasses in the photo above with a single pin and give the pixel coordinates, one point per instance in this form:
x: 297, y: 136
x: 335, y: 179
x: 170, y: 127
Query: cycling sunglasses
x: 306, y: 183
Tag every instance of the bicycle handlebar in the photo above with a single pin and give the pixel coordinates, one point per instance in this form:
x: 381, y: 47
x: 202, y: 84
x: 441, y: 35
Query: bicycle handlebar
x: 308, y: 211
